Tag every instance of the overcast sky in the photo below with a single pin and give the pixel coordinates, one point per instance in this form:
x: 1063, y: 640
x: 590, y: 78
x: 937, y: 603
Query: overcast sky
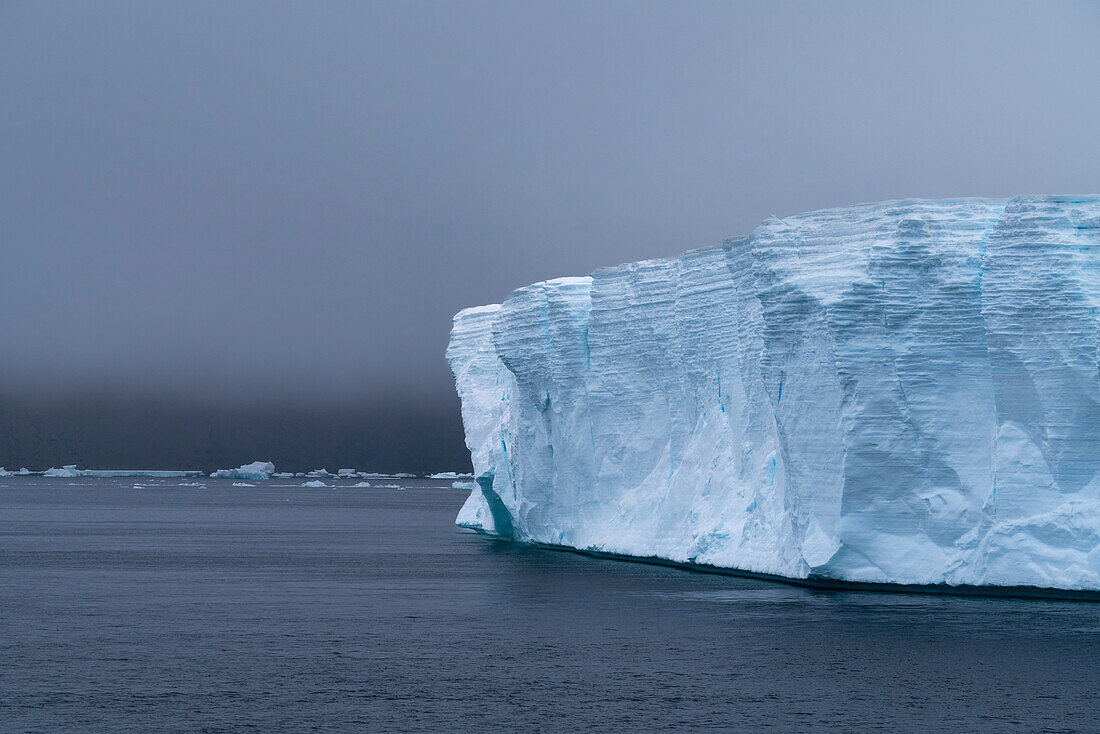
x: 290, y: 201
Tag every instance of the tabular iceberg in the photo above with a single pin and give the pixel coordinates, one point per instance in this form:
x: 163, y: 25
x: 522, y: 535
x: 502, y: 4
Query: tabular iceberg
x: 69, y: 471
x: 904, y: 392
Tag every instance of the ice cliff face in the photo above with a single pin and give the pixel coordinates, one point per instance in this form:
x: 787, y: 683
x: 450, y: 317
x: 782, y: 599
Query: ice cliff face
x: 904, y: 392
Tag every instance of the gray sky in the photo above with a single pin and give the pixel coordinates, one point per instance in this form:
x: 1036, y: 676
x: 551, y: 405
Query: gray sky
x: 290, y: 201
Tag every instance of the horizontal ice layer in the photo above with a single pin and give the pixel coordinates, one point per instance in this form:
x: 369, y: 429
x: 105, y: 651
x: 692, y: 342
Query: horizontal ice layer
x: 144, y: 473
x: 904, y: 392
x: 70, y: 471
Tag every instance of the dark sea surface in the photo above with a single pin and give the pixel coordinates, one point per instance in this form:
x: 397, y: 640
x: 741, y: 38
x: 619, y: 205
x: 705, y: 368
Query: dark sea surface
x: 167, y: 608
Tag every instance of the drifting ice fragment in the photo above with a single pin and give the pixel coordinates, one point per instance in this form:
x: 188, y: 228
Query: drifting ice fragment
x: 68, y: 471
x: 255, y: 470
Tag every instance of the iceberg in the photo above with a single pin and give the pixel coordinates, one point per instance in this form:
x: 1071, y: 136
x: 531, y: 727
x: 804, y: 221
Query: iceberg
x: 450, y: 475
x: 70, y: 470
x: 146, y: 473
x: 255, y: 470
x: 66, y: 472
x: 5, y: 473
x: 895, y: 393
x: 314, y: 483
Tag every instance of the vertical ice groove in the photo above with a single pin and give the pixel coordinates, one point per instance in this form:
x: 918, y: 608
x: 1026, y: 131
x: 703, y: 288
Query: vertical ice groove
x: 900, y: 392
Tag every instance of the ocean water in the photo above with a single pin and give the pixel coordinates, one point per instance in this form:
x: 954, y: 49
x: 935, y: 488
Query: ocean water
x: 166, y: 608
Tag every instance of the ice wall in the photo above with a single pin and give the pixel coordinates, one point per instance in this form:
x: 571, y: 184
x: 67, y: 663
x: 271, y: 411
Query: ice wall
x: 904, y: 392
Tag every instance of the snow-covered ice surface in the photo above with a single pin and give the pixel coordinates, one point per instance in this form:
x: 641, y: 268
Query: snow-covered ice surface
x: 903, y: 392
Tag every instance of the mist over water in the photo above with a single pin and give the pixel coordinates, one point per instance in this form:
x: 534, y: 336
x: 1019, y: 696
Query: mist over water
x: 215, y: 203
x: 111, y: 428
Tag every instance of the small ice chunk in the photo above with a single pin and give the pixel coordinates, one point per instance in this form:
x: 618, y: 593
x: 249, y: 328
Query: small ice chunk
x: 314, y: 483
x: 67, y: 471
x: 243, y: 484
x: 255, y: 470
x: 361, y: 484
x: 451, y: 475
x: 4, y: 472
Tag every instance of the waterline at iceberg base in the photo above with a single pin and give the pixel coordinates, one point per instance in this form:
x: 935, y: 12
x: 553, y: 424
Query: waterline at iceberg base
x: 895, y: 393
